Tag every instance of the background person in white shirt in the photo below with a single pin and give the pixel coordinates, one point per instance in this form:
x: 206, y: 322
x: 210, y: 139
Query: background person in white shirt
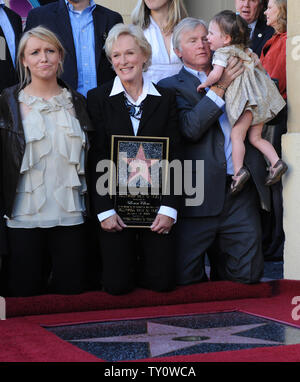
x: 158, y: 18
x: 132, y: 256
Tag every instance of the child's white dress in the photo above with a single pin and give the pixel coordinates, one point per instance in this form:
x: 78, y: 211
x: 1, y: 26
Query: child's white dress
x: 253, y: 90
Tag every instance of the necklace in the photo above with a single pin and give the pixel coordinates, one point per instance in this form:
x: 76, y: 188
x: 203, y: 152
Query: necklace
x: 134, y: 111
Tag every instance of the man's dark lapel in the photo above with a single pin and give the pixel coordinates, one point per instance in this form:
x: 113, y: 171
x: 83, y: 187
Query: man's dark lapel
x: 63, y: 25
x: 190, y: 82
x: 17, y: 26
x: 100, y: 21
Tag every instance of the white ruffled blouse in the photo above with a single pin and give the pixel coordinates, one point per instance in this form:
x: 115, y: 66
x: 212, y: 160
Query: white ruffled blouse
x: 52, y: 181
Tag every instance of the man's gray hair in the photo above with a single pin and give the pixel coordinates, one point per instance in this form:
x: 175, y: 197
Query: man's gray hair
x: 187, y: 24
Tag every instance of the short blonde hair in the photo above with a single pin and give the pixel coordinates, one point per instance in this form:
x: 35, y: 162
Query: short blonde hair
x: 281, y: 26
x: 131, y: 30
x: 43, y: 34
x: 141, y: 14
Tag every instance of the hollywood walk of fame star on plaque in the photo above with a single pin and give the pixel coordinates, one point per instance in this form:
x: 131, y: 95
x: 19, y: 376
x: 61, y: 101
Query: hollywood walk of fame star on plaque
x: 141, y: 174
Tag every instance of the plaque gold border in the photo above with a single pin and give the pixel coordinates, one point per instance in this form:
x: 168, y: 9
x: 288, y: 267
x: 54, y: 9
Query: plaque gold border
x: 140, y: 139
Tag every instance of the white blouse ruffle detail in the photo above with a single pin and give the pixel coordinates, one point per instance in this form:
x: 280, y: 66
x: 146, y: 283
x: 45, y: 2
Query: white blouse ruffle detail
x: 52, y: 181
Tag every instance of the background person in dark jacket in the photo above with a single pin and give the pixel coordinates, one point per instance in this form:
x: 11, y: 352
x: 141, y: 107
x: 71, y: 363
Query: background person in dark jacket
x: 273, y: 59
x: 253, y: 13
x: 10, y: 33
x: 82, y: 27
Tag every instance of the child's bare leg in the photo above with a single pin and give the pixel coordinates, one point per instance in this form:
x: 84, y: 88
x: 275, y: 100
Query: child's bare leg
x: 261, y: 144
x: 238, y: 135
x: 278, y: 166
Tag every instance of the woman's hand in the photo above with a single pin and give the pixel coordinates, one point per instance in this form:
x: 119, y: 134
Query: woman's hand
x: 162, y: 224
x: 113, y: 224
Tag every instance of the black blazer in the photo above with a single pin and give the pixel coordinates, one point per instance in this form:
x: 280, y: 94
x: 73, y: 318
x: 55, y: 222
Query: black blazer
x: 55, y: 16
x: 203, y: 139
x: 110, y: 117
x: 8, y: 73
x: 262, y: 33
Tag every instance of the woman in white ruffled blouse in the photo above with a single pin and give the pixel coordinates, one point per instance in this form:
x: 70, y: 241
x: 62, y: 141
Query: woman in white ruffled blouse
x: 158, y: 18
x: 46, y: 232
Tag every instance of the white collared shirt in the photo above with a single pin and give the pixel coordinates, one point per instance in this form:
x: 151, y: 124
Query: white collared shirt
x: 163, y: 64
x: 148, y: 89
x: 252, y: 27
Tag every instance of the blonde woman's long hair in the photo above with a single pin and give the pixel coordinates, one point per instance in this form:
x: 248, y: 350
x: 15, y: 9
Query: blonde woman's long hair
x: 43, y: 34
x: 141, y: 15
x: 281, y: 26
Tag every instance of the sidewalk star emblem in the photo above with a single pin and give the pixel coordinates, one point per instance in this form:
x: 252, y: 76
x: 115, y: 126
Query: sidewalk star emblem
x: 164, y: 339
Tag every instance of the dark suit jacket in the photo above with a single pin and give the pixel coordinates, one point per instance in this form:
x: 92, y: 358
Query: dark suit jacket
x: 55, y: 16
x: 262, y: 33
x: 110, y: 117
x: 203, y: 139
x: 11, y: 78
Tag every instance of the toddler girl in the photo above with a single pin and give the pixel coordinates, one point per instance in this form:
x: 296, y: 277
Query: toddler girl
x: 252, y: 98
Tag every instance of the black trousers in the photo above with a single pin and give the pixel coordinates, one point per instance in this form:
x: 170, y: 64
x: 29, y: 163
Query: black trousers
x: 45, y: 260
x: 273, y: 233
x: 232, y: 241
x: 137, y: 257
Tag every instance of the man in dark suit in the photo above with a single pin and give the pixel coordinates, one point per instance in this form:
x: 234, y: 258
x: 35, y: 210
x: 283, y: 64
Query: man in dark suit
x: 10, y: 32
x: 82, y: 27
x: 252, y: 12
x: 273, y: 236
x: 230, y: 222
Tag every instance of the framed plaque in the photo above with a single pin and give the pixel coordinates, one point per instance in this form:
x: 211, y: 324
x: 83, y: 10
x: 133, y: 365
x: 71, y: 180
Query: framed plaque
x: 141, y: 168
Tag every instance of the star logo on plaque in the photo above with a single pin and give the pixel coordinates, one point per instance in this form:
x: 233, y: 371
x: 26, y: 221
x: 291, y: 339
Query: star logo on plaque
x: 139, y: 168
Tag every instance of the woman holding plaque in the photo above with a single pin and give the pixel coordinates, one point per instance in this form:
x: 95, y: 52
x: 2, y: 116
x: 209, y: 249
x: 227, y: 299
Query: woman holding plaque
x: 132, y: 106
